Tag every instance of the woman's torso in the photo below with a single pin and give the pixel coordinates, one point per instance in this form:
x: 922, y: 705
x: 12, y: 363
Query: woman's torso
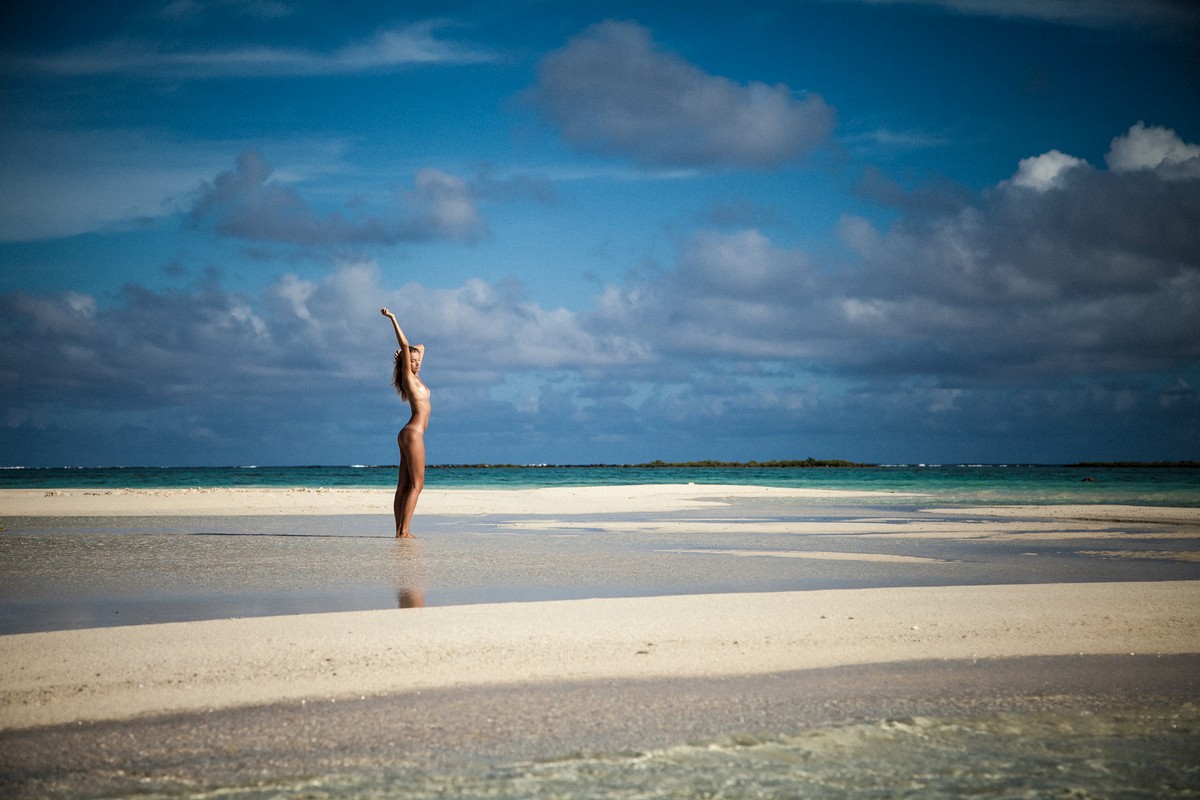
x: 418, y: 401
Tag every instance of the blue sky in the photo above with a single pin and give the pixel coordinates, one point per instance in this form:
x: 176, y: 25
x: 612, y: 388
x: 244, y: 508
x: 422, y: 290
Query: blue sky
x: 952, y: 231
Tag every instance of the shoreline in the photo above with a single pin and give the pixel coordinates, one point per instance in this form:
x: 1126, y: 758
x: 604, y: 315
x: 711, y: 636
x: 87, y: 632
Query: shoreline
x: 633, y: 498
x: 535, y: 502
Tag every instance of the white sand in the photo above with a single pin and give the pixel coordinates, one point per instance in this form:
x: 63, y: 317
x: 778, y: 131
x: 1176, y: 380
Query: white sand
x: 114, y: 673
x: 817, y: 555
x: 225, y: 502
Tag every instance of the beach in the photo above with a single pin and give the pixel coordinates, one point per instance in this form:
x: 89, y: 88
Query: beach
x: 320, y: 500
x: 873, y: 610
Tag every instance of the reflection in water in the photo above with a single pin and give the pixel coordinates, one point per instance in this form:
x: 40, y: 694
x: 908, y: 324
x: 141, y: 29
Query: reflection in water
x: 408, y: 572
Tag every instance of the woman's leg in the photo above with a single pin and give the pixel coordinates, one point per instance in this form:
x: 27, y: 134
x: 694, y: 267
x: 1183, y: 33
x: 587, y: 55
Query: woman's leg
x: 401, y: 485
x: 411, y: 480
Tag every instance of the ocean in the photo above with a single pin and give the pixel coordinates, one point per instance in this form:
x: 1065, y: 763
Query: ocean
x: 946, y: 484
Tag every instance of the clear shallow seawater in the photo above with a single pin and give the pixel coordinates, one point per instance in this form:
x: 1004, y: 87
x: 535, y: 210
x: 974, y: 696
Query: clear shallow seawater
x: 1128, y: 753
x: 1132, y: 753
x: 986, y: 484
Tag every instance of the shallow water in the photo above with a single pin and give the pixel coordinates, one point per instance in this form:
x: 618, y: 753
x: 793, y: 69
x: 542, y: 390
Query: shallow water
x: 956, y: 484
x: 78, y: 573
x: 1133, y: 753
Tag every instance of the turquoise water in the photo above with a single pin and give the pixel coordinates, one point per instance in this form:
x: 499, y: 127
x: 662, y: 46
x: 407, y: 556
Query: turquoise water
x: 947, y: 484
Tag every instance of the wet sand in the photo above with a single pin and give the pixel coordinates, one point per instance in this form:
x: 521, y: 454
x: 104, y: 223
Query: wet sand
x: 434, y: 737
x: 524, y: 502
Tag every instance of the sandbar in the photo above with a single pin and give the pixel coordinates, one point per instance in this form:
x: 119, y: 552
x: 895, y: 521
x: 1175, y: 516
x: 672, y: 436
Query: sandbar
x: 63, y: 677
x: 56, y: 677
x: 817, y: 555
x: 553, y: 506
x: 923, y: 524
x: 465, y: 502
x: 1088, y: 513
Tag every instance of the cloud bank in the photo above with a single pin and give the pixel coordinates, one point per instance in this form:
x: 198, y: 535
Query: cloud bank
x: 1067, y: 291
x: 1062, y: 270
x: 612, y: 91
x: 245, y: 203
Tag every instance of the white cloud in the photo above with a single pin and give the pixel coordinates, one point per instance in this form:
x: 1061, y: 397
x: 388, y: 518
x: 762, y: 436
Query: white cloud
x: 443, y: 205
x: 1154, y: 148
x: 1044, y: 172
x: 888, y: 139
x: 388, y: 49
x: 612, y: 91
x: 742, y: 264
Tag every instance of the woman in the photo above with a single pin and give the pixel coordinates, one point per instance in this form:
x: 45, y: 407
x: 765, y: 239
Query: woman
x: 412, y: 436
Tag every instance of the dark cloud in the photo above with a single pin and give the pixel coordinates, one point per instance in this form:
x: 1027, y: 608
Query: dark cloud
x: 204, y: 344
x: 245, y: 203
x: 1056, y: 312
x: 215, y: 376
x: 612, y: 91
x: 942, y: 197
x: 1079, y: 272
x: 1098, y: 271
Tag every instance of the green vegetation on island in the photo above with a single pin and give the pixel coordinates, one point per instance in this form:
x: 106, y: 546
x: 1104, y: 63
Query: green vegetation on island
x: 801, y: 464
x: 806, y: 463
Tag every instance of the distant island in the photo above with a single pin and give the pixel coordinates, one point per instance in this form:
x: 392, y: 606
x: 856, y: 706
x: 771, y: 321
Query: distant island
x: 808, y: 462
x: 804, y: 464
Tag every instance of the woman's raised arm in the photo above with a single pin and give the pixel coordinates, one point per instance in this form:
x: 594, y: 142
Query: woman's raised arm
x: 400, y: 338
x: 403, y: 376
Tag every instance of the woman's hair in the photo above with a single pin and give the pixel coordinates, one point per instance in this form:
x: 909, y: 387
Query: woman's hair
x: 398, y: 370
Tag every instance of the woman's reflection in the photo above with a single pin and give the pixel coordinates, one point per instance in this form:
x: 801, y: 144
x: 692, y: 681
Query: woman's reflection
x: 408, y: 573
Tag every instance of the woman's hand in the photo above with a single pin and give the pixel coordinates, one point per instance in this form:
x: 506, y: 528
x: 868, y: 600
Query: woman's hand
x: 400, y: 340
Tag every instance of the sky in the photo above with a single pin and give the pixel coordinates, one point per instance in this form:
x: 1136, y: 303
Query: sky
x: 952, y: 231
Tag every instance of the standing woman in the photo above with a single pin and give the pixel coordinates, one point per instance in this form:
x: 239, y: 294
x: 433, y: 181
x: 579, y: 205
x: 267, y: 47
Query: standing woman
x: 412, y: 436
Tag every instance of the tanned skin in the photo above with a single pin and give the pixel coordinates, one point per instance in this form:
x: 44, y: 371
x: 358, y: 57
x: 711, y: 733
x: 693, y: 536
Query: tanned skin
x: 412, y: 436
